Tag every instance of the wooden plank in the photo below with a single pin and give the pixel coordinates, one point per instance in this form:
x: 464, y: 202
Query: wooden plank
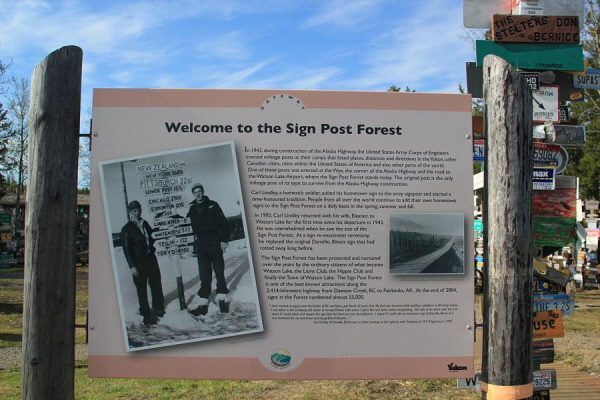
x: 535, y: 29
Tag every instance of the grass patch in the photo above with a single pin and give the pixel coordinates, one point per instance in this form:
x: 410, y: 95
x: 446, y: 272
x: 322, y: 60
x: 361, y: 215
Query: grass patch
x: 11, y: 305
x: 11, y: 312
x: 99, y: 388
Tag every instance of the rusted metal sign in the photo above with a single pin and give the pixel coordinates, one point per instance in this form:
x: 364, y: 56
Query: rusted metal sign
x: 535, y: 29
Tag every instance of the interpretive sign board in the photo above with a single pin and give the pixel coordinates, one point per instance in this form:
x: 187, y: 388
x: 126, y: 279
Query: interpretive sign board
x: 349, y: 216
x: 535, y: 29
x: 564, y: 57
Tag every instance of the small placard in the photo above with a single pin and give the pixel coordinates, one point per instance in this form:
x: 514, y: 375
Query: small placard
x: 548, y: 324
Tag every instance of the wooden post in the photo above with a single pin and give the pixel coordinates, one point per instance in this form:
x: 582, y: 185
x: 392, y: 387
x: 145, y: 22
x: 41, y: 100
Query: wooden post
x: 49, y: 298
x: 507, y: 362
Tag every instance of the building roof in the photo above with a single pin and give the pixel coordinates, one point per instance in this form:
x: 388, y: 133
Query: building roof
x: 9, y: 199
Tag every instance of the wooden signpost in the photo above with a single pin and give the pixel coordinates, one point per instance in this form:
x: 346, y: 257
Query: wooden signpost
x: 535, y: 29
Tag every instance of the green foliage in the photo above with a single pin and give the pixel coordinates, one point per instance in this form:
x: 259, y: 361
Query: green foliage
x: 585, y: 162
x: 395, y: 88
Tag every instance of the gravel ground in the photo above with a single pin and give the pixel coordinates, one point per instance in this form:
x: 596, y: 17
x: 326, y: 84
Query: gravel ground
x: 10, y: 357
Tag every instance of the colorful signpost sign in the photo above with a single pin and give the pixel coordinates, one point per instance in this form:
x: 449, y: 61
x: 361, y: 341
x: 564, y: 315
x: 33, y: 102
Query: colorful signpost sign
x: 555, y: 213
x: 535, y: 29
x: 548, y: 324
x: 564, y: 114
x: 543, y: 351
x: 589, y: 80
x: 567, y: 306
x: 543, y: 178
x: 532, y: 78
x: 545, y: 104
x: 478, y: 149
x: 564, y: 135
x: 551, y: 155
x: 544, y: 379
x: 564, y: 57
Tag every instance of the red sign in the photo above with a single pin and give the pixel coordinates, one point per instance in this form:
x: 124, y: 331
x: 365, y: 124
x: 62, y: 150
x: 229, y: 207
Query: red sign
x: 555, y: 203
x: 535, y: 29
x: 593, y: 233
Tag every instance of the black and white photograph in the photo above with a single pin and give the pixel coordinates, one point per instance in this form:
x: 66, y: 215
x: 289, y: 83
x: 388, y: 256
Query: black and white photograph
x: 422, y: 244
x: 181, y: 256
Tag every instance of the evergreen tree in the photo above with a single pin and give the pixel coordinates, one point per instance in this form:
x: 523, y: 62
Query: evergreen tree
x: 5, y: 127
x: 585, y: 162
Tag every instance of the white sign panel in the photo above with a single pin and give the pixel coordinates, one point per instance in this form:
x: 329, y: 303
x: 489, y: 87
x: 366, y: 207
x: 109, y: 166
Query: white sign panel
x: 469, y: 383
x: 342, y: 215
x: 525, y: 7
x: 589, y: 80
x: 478, y: 13
x: 546, y: 104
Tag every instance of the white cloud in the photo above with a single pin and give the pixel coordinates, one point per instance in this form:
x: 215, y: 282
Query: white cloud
x: 345, y: 13
x: 424, y: 47
x: 231, y: 45
x: 314, y: 79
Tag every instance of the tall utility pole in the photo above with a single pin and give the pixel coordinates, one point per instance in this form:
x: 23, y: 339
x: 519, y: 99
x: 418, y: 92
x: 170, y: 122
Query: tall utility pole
x: 508, y: 301
x: 49, y: 298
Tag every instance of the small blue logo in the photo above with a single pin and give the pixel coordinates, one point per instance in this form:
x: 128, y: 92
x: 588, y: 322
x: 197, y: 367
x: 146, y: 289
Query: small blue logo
x: 281, y: 359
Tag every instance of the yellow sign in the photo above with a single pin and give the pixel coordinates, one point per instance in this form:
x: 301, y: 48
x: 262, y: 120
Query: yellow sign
x: 548, y: 324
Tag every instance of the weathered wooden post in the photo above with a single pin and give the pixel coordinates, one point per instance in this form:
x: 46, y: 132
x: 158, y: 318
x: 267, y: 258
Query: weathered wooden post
x: 49, y: 298
x: 507, y: 352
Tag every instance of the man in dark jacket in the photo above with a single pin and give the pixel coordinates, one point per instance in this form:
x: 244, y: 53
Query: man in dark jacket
x: 138, y: 246
x: 211, y: 231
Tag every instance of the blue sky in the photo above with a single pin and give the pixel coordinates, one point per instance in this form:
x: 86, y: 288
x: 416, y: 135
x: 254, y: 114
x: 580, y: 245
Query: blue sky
x: 287, y: 44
